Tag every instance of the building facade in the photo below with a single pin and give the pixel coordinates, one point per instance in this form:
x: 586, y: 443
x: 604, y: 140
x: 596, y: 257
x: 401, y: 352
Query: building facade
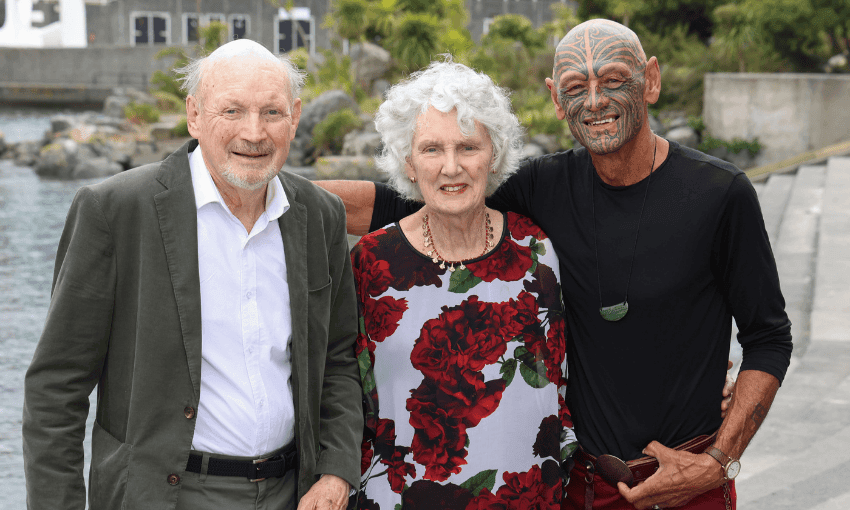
x: 122, y: 23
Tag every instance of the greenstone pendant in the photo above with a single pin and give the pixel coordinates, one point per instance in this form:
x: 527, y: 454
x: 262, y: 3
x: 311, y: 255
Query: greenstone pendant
x: 614, y: 313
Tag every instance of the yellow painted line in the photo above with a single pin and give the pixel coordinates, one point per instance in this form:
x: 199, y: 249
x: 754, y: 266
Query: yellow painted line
x: 816, y: 156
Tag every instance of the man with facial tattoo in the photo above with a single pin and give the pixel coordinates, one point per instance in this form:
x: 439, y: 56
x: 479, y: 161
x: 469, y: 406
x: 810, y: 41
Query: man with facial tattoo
x: 660, y: 246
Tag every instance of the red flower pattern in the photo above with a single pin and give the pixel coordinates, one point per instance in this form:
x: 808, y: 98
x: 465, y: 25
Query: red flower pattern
x: 469, y: 336
x: 520, y: 226
x: 397, y: 468
x: 510, y: 263
x: 382, y: 316
x: 451, y: 351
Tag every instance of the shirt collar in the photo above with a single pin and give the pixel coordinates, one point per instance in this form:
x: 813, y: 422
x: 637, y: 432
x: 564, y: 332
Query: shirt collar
x: 206, y: 191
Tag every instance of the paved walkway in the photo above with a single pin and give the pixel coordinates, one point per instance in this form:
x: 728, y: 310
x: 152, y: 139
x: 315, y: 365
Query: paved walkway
x: 800, y: 459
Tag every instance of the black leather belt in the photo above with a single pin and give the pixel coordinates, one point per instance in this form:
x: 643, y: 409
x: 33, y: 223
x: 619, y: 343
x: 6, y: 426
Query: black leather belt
x: 254, y: 470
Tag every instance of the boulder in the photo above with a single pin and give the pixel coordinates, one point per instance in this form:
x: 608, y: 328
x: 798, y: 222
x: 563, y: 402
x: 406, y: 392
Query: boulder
x: 656, y: 126
x: 719, y: 153
x: 62, y: 123
x: 677, y: 122
x: 113, y: 106
x: 549, y: 143
x: 2, y: 143
x: 369, y: 62
x: 91, y: 168
x: 58, y: 159
x: 307, y: 172
x: 380, y: 87
x: 26, y: 153
x: 301, y: 148
x: 348, y: 167
x: 742, y: 159
x: 684, y: 135
x: 532, y: 150
x: 358, y: 143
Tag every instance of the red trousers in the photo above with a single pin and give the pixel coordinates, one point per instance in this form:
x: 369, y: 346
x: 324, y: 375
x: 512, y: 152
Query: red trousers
x: 607, y: 497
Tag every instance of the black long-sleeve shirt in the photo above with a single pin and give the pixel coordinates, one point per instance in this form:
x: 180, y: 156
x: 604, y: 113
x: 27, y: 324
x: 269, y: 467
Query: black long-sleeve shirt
x: 703, y: 256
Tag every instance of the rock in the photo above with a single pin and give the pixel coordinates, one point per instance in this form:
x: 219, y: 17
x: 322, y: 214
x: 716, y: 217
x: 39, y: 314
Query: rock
x: 549, y: 143
x: 113, y: 106
x: 532, y: 150
x: 685, y: 135
x: 91, y: 168
x: 380, y: 87
x: 120, y: 151
x: 26, y: 153
x: 348, y: 167
x: 676, y: 122
x: 719, y: 153
x: 369, y: 62
x: 2, y: 143
x: 307, y: 172
x: 358, y: 143
x: 368, y: 123
x: 301, y: 148
x: 656, y: 126
x: 62, y: 123
x: 161, y: 130
x: 742, y: 159
x: 58, y: 159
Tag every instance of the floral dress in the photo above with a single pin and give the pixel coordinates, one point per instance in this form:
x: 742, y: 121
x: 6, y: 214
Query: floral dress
x: 470, y: 370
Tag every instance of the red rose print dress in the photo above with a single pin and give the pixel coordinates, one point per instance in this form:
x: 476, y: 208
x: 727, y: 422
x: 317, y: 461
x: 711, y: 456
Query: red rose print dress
x: 463, y: 375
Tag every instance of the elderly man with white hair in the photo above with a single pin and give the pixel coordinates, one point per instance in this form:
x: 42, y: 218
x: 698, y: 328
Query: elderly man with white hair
x: 210, y: 300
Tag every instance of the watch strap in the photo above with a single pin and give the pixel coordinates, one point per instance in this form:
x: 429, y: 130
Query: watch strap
x: 718, y: 455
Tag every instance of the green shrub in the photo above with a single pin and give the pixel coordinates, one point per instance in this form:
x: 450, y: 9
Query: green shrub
x: 328, y: 134
x: 141, y: 113
x: 735, y: 146
x: 167, y: 102
x: 181, y: 130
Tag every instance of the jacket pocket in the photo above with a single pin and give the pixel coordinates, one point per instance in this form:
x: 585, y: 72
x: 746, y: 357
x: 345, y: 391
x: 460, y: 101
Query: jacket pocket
x: 110, y: 461
x: 319, y: 312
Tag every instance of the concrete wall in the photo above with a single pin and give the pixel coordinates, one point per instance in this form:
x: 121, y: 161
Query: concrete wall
x: 789, y: 113
x: 81, y: 66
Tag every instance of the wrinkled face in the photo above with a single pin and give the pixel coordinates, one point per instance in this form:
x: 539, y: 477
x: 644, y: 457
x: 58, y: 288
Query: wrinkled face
x: 246, y: 120
x: 599, y: 85
x: 451, y: 169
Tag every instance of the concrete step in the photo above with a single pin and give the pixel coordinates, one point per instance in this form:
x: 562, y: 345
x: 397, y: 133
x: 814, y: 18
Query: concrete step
x: 795, y: 199
x: 773, y: 199
x: 831, y: 305
x: 794, y: 249
x: 801, y: 455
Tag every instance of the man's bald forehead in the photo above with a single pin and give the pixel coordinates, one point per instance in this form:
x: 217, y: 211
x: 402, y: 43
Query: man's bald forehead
x: 598, y: 40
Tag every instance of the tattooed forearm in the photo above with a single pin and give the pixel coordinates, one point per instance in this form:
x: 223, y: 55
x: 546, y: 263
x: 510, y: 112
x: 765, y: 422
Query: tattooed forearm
x: 759, y: 414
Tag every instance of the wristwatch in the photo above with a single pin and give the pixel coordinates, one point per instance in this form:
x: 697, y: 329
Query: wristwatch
x: 731, y: 467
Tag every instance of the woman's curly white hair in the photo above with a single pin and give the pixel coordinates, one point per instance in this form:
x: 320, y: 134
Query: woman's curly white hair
x: 447, y: 86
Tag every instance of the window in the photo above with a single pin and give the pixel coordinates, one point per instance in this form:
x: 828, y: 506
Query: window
x: 192, y: 24
x: 295, y: 29
x: 150, y: 28
x: 239, y: 26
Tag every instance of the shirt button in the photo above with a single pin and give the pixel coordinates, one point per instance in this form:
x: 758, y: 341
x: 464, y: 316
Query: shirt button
x: 188, y: 412
x: 173, y: 479
x: 248, y: 295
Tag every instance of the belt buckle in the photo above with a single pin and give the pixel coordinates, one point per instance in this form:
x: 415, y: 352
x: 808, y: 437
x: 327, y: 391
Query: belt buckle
x: 257, y: 469
x: 614, y: 470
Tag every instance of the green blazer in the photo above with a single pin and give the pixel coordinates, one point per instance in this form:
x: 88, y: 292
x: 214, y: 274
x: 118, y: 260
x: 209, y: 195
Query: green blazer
x: 125, y: 316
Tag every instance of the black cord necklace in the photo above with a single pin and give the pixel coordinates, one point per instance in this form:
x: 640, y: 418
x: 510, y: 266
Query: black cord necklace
x: 616, y: 312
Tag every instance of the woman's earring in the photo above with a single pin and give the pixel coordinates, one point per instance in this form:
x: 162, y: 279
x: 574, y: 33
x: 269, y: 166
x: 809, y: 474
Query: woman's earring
x: 412, y: 179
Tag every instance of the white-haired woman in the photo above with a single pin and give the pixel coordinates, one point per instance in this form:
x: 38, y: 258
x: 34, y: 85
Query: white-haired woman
x: 462, y: 330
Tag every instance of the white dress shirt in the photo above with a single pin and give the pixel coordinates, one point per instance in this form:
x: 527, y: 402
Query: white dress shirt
x: 246, y: 406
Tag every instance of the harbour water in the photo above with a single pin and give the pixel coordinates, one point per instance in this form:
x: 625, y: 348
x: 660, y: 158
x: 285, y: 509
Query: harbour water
x: 32, y: 214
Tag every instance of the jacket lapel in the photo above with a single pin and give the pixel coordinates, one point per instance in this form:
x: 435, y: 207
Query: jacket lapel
x: 293, y: 230
x: 178, y: 224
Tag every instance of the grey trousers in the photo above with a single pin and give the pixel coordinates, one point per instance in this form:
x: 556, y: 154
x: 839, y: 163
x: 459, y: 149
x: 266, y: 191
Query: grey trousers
x: 203, y: 491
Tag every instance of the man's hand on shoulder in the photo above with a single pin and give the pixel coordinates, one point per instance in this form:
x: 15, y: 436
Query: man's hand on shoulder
x: 681, y: 476
x: 329, y: 493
